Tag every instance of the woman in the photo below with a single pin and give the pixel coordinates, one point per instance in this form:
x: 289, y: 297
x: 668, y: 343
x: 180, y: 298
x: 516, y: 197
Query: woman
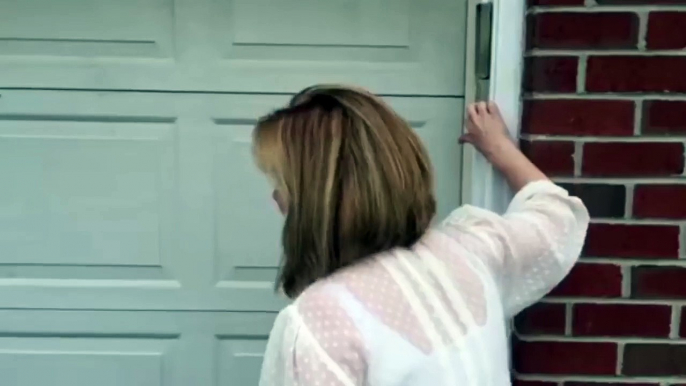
x: 380, y: 298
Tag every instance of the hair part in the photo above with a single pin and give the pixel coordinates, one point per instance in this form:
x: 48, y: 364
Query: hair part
x: 356, y: 178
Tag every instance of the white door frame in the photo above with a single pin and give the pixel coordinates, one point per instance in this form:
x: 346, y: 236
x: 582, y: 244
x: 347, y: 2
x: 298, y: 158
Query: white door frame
x: 482, y: 186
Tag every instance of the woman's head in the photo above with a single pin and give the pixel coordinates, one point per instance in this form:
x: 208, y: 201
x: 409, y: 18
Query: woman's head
x: 351, y: 177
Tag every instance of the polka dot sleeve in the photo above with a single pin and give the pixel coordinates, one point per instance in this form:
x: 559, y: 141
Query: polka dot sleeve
x: 314, y: 343
x: 529, y: 249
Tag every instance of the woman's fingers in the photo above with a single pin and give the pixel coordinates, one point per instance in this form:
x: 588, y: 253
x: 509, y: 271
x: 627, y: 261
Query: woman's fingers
x: 484, y: 108
x: 479, y: 115
x: 492, y: 108
x: 472, y: 113
x: 481, y: 108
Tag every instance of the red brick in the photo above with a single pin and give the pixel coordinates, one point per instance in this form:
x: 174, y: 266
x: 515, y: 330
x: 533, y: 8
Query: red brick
x: 658, y: 282
x: 555, y: 158
x: 578, y: 117
x: 664, y: 117
x: 636, y: 74
x: 654, y: 2
x: 666, y: 31
x: 601, y: 159
x: 682, y: 327
x: 550, y: 74
x: 532, y: 3
x: 601, y: 200
x: 560, y: 358
x: 641, y: 241
x: 575, y: 30
x: 654, y: 360
x: 660, y: 201
x: 621, y: 320
x: 542, y: 318
x: 594, y: 280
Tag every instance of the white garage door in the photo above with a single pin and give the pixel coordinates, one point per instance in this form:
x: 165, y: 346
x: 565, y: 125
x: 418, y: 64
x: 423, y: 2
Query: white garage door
x: 138, y: 244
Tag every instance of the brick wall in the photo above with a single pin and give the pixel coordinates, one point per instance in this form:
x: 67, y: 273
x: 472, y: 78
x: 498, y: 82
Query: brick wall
x: 605, y: 114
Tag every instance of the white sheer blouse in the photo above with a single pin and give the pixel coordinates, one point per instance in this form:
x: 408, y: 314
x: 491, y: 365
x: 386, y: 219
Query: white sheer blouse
x: 434, y: 315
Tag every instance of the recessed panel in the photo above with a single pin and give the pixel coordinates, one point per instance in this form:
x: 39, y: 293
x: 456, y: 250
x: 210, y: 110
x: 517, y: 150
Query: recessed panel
x: 84, y: 193
x: 362, y: 23
x: 59, y: 361
x: 248, y: 222
x: 152, y: 201
x: 140, y: 348
x: 240, y: 360
x: 375, y: 32
x: 87, y: 28
x: 393, y: 47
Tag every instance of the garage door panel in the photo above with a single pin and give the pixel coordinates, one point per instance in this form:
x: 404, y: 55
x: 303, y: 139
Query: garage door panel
x: 240, y: 360
x: 392, y: 47
x: 312, y: 22
x: 139, y: 243
x: 78, y: 348
x: 88, y: 28
x: 151, y: 201
x: 243, y: 296
x: 84, y: 193
x: 85, y: 198
x: 248, y: 224
x: 79, y: 361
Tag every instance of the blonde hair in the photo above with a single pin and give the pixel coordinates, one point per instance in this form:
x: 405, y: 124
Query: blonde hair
x: 355, y: 177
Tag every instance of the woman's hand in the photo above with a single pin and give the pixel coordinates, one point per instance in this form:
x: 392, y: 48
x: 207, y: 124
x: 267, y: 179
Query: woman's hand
x: 486, y: 130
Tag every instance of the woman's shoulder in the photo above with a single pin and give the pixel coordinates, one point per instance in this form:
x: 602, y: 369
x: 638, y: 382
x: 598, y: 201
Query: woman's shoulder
x: 309, y: 316
x: 320, y: 294
x: 318, y: 307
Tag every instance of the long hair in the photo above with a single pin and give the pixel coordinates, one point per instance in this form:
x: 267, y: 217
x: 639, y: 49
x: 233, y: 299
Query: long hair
x: 355, y: 177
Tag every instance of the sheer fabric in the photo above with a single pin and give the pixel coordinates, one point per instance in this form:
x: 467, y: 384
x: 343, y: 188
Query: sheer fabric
x: 436, y: 314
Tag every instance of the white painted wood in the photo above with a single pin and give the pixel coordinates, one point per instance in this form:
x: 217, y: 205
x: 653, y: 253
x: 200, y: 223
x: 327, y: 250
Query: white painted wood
x: 131, y: 348
x: 129, y: 220
x: 393, y: 47
x: 151, y: 201
x: 482, y: 186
